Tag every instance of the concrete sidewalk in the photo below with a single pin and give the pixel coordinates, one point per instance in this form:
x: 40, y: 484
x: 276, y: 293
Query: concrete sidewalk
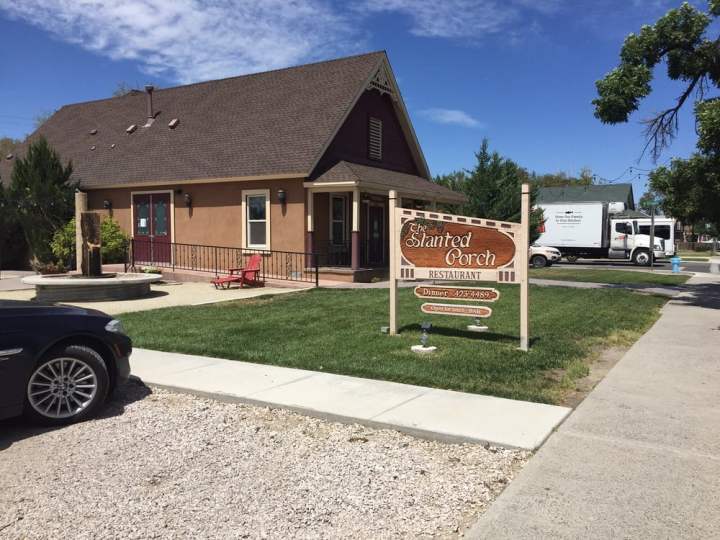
x: 427, y: 412
x: 640, y: 457
x: 163, y: 295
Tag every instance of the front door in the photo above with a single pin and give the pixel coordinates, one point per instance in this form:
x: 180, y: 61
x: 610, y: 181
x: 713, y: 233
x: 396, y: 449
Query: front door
x: 621, y: 236
x: 152, y: 227
x: 376, y: 235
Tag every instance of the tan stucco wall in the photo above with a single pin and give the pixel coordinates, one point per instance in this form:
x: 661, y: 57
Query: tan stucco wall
x: 215, y: 218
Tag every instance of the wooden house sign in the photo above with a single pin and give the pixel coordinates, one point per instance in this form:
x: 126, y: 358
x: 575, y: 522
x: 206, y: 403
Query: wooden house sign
x: 479, y: 312
x: 429, y: 245
x: 472, y: 294
x: 458, y: 248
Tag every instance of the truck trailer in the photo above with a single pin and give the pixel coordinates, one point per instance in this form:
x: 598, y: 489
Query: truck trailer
x: 595, y: 230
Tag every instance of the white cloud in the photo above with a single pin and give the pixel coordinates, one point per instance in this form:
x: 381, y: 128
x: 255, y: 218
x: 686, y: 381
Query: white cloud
x: 466, y: 19
x: 194, y: 40
x: 451, y: 116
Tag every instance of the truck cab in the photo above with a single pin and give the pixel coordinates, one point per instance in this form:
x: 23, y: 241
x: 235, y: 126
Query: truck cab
x: 627, y: 243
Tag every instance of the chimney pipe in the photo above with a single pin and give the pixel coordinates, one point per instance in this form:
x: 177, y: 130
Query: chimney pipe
x: 149, y: 90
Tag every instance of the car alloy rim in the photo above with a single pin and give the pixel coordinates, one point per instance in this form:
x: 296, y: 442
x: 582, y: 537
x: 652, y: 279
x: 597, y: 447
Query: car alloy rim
x: 62, y: 387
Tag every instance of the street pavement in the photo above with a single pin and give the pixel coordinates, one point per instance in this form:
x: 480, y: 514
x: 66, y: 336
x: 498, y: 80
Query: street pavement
x: 640, y: 456
x: 664, y: 264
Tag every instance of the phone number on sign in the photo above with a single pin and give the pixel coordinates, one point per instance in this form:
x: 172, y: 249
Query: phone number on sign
x: 459, y: 294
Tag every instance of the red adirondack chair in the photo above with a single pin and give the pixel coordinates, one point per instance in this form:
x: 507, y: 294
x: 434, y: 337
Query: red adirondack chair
x: 247, y: 274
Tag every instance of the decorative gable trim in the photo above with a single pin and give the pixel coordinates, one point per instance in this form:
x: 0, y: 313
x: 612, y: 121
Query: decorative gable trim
x: 382, y: 82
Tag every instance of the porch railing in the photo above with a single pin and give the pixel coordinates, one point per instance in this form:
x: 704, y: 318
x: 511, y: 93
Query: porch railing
x: 281, y: 265
x: 334, y: 254
x: 341, y: 255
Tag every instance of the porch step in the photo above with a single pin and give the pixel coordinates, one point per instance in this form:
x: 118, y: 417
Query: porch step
x: 361, y: 275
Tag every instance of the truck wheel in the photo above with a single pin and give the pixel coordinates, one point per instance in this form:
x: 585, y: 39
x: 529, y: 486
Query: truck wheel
x: 641, y: 257
x: 572, y: 258
x: 538, y: 261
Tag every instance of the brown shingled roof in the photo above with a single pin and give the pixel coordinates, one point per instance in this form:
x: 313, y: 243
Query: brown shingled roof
x: 384, y: 179
x: 272, y: 123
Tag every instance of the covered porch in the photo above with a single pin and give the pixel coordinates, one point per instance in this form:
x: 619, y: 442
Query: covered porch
x: 347, y: 217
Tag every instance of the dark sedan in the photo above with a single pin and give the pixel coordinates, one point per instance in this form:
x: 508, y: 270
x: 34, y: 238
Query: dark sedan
x: 58, y: 364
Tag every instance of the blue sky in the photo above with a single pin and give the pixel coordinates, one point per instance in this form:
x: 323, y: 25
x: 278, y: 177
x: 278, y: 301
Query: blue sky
x: 520, y: 72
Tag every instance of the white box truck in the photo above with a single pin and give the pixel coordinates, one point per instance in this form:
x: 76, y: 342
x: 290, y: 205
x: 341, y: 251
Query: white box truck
x: 595, y: 230
x: 664, y: 228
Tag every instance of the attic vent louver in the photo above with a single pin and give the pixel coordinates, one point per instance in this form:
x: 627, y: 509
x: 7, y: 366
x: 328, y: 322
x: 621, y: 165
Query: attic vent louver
x: 93, y: 132
x: 375, y: 139
x: 173, y: 123
x: 131, y: 128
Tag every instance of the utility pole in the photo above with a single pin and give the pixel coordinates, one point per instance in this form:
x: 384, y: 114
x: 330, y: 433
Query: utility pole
x: 652, y: 237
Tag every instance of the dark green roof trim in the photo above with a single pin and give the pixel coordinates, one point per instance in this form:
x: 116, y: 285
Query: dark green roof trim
x: 632, y: 214
x: 594, y: 193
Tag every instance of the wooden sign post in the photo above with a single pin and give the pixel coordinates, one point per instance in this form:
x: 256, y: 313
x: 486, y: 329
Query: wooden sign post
x: 393, y: 262
x: 523, y: 262
x: 430, y: 245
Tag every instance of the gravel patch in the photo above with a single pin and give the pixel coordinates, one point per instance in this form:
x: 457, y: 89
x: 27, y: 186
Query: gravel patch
x: 165, y: 465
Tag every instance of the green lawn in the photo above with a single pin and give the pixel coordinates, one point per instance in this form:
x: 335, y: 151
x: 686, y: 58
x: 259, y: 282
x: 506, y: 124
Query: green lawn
x: 694, y: 255
x: 618, y: 277
x: 338, y: 331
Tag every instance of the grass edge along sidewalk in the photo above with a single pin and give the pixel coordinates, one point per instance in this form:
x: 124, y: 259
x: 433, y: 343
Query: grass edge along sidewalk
x: 338, y: 331
x: 612, y: 277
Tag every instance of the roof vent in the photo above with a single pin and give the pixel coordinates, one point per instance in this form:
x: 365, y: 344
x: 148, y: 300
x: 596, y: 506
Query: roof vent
x: 9, y: 156
x: 92, y: 147
x: 173, y: 123
x: 93, y: 132
x: 131, y: 128
x: 375, y: 145
x: 112, y: 145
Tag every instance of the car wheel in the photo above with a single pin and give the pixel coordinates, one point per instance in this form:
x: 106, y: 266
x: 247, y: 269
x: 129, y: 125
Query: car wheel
x: 538, y: 261
x: 572, y: 258
x: 641, y: 257
x: 68, y: 385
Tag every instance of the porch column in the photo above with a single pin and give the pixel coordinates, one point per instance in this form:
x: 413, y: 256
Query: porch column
x: 355, y: 235
x: 81, y: 206
x: 310, y: 226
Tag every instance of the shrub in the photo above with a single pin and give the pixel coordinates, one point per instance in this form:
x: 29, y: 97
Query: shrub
x: 63, y: 243
x: 48, y: 268
x: 114, y: 242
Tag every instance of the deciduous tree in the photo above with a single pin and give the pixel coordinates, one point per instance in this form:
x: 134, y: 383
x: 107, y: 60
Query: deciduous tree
x: 680, y: 39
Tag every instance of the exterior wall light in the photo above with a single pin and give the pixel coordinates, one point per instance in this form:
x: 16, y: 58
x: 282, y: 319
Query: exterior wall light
x: 188, y: 200
x: 282, y: 196
x: 107, y: 204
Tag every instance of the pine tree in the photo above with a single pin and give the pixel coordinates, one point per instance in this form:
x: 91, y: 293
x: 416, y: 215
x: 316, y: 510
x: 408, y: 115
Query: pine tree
x: 41, y: 197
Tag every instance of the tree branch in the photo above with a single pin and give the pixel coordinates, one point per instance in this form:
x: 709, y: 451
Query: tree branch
x: 662, y: 129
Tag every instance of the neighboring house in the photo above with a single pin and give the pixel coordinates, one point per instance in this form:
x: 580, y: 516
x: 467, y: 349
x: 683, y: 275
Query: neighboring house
x: 593, y: 193
x: 295, y: 160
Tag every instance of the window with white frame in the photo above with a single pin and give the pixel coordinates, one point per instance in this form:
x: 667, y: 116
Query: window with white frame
x: 256, y: 218
x: 338, y: 219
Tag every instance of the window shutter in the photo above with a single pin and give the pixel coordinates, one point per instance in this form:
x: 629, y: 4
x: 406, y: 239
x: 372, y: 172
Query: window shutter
x: 375, y: 140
